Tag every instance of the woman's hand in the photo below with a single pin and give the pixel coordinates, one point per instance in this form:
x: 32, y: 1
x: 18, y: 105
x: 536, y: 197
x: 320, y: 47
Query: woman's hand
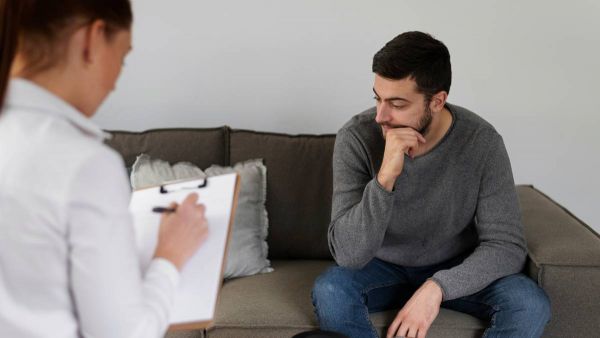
x: 182, y: 232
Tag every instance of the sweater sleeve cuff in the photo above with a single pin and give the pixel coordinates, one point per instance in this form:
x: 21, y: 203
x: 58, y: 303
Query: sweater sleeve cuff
x: 166, y: 268
x: 380, y: 188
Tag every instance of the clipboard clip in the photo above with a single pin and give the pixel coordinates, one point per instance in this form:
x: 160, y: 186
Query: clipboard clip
x: 164, y: 190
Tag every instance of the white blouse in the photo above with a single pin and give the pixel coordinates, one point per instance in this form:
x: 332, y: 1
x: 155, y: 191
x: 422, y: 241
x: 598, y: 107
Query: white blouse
x: 68, y: 263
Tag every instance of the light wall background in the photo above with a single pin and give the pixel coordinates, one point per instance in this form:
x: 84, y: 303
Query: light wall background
x: 531, y: 68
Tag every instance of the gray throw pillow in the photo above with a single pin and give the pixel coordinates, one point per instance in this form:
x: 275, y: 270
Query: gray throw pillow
x: 147, y: 172
x: 248, y: 250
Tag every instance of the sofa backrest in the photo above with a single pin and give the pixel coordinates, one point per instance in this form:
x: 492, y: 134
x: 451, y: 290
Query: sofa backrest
x: 299, y: 176
x: 299, y: 189
x: 202, y: 147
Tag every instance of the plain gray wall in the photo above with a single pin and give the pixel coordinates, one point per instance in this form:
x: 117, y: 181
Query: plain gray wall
x: 529, y: 67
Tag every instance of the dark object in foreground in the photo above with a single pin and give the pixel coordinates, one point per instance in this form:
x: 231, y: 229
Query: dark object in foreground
x: 319, y: 334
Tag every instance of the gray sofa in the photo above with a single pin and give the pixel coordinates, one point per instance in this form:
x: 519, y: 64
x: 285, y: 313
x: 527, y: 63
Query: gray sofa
x: 564, y: 253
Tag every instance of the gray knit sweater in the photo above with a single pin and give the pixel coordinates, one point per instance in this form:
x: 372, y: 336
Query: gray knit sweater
x: 457, y: 198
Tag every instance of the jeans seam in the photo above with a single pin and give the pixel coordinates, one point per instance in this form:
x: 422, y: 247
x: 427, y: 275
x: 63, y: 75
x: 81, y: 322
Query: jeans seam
x: 492, y: 317
x: 492, y: 323
x: 372, y: 327
x: 364, y: 292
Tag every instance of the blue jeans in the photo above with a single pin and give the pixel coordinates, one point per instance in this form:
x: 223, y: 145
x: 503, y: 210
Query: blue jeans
x: 343, y: 298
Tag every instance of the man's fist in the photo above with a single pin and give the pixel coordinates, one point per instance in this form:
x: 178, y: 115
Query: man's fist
x: 398, y: 142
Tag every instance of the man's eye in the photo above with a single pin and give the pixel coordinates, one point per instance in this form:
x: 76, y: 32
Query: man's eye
x: 397, y: 107
x: 376, y: 98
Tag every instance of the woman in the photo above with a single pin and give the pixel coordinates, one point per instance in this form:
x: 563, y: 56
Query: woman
x: 68, y: 264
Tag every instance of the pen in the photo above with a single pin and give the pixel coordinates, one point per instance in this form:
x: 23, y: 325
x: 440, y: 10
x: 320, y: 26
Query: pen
x: 163, y: 209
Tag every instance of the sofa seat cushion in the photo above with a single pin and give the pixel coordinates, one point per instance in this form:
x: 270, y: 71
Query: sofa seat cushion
x: 279, y: 305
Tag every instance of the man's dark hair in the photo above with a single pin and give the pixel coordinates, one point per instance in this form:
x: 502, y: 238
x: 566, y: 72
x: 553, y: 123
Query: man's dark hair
x: 419, y: 56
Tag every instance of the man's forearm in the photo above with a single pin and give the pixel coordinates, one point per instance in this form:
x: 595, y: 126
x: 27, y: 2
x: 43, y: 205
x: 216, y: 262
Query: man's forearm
x: 356, y: 234
x: 486, y: 264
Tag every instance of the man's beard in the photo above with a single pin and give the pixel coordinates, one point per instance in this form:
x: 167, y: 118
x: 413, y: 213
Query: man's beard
x: 425, y: 122
x: 422, y: 126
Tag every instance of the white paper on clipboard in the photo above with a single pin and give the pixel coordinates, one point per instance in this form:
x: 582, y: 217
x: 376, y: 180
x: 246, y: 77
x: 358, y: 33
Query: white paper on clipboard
x: 201, y: 277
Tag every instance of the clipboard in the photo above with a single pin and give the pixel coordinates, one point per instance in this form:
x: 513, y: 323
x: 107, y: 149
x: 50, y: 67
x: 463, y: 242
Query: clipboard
x: 201, y: 278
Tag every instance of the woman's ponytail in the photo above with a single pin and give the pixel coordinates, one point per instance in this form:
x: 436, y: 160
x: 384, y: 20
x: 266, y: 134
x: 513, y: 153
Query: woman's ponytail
x: 10, y: 13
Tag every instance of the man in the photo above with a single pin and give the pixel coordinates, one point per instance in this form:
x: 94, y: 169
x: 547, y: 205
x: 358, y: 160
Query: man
x: 424, y: 209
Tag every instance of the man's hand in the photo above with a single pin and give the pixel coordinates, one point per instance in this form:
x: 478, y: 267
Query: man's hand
x: 398, y: 141
x: 420, y: 311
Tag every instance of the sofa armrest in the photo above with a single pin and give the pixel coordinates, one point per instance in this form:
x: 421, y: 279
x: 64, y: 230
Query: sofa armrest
x: 564, y: 259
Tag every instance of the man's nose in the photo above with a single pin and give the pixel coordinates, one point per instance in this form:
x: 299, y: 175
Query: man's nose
x: 382, y: 113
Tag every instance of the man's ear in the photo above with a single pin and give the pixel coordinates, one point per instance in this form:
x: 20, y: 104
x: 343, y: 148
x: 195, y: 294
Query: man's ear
x: 438, y: 101
x: 94, y: 38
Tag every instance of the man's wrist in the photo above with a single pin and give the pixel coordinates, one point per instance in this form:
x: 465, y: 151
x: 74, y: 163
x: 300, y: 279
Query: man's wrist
x: 435, y: 288
x: 386, y: 181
